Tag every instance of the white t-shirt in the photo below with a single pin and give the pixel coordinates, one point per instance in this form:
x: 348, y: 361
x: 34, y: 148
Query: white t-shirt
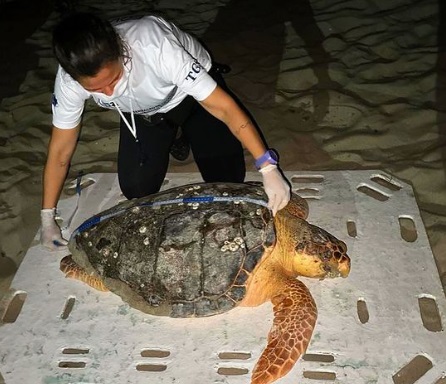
x: 166, y: 65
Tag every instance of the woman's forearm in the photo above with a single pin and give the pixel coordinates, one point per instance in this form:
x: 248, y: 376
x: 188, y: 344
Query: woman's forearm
x: 224, y: 107
x: 60, y: 151
x: 53, y: 179
x: 244, y: 130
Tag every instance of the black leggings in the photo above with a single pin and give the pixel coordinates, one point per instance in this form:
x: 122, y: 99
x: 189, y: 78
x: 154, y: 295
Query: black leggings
x: 142, y: 165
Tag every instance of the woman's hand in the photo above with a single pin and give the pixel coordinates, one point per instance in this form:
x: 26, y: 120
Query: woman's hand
x: 276, y: 187
x: 50, y: 235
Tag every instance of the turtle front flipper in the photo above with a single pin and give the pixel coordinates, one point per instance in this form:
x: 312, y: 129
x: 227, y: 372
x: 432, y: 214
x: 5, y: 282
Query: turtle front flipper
x: 74, y: 271
x: 295, y: 316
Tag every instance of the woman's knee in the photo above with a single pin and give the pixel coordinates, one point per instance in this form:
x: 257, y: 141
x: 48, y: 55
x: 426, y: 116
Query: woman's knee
x: 139, y: 186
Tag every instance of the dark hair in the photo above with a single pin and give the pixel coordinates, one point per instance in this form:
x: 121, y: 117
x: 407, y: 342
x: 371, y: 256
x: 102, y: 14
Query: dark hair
x: 83, y: 43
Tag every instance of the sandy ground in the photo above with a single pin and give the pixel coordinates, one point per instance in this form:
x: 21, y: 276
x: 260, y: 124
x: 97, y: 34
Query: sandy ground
x: 333, y: 84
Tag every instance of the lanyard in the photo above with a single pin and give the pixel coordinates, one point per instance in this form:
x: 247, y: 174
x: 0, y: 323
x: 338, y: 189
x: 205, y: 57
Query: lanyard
x: 132, y: 128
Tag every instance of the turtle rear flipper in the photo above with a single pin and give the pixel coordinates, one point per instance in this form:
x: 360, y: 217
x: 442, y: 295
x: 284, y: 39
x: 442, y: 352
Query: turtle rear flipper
x: 74, y: 271
x: 295, y: 316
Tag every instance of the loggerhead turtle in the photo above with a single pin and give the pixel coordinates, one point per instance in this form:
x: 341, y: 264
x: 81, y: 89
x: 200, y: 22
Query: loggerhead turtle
x: 202, y: 249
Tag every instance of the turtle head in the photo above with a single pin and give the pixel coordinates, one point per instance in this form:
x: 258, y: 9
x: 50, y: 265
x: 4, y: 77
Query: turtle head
x: 318, y: 254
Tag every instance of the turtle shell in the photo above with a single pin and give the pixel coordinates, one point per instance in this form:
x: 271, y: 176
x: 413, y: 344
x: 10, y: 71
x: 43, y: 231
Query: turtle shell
x: 184, y: 252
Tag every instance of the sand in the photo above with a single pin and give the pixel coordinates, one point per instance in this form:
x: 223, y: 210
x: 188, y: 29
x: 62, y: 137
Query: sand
x: 333, y: 84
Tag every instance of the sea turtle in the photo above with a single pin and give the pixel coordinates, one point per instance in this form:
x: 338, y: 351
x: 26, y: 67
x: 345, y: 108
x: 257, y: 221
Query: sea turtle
x: 202, y: 249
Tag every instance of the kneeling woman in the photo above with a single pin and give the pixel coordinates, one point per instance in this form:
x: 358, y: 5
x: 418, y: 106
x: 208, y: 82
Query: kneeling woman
x: 157, y: 78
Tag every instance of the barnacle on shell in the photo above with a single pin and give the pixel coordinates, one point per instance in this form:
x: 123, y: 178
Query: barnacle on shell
x: 233, y: 247
x: 238, y: 240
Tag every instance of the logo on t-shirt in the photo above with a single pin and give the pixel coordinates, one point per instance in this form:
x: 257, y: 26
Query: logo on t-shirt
x: 105, y: 104
x: 54, y: 100
x: 195, y: 70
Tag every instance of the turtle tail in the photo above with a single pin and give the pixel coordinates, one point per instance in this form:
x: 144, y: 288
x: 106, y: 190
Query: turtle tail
x: 74, y: 271
x: 295, y: 316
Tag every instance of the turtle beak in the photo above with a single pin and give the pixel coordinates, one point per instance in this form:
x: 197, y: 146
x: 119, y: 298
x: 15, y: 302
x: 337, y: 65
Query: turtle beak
x: 339, y: 267
x: 344, y: 266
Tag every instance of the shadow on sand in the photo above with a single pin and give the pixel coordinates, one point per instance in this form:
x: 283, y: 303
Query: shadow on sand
x: 250, y: 37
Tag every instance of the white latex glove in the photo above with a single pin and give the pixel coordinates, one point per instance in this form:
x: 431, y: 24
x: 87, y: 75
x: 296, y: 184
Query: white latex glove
x: 50, y: 235
x: 276, y: 187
